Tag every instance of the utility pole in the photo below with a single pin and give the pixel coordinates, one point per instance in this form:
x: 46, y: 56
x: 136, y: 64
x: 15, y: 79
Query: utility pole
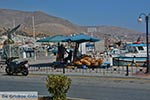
x: 33, y: 26
x: 14, y: 24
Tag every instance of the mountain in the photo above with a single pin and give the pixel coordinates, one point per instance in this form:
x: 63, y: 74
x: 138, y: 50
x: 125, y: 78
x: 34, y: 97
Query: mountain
x: 44, y: 23
x: 114, y: 33
x: 49, y: 25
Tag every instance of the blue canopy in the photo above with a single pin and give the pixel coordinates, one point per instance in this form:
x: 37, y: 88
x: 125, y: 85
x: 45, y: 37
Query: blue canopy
x: 58, y: 38
x: 55, y: 38
x: 79, y: 38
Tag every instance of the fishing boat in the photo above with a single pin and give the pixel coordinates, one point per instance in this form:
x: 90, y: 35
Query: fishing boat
x: 136, y: 52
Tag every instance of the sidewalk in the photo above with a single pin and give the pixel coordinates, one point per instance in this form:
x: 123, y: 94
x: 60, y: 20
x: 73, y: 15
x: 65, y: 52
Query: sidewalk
x: 47, y: 59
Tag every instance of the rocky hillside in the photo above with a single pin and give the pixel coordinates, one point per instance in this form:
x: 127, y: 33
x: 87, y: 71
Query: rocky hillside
x: 114, y: 33
x: 44, y: 23
x: 48, y: 25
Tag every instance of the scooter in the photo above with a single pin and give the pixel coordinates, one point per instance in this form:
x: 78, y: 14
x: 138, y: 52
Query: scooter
x: 14, y: 66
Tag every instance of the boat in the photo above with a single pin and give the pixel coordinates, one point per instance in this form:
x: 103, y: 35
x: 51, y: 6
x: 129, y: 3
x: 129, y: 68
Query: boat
x: 132, y: 53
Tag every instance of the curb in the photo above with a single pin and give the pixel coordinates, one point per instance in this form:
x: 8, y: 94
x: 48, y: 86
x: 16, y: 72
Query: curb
x: 68, y: 98
x: 94, y: 76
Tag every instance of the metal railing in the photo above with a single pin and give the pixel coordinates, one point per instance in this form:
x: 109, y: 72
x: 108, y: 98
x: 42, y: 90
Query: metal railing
x: 115, y: 70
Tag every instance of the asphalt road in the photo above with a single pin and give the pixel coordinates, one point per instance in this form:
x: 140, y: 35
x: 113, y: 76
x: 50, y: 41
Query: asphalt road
x: 23, y: 83
x: 110, y: 89
x: 93, y: 88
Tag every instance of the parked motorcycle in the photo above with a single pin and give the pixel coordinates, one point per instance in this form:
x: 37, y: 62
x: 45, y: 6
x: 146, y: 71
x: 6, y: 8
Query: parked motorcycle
x: 15, y: 66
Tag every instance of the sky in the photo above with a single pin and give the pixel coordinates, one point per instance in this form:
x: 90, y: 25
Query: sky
x: 121, y: 13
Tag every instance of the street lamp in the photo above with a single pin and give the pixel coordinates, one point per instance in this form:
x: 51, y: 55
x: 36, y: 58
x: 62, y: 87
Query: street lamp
x: 146, y: 20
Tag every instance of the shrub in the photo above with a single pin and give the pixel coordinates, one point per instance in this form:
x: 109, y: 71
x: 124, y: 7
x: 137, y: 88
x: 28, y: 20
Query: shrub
x: 58, y: 86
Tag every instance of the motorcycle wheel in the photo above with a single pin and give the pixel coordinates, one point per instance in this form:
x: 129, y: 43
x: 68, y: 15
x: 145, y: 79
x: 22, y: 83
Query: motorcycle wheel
x: 25, y: 72
x: 8, y: 71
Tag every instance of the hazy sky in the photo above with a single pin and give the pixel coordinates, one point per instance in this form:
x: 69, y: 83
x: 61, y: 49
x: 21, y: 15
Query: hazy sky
x: 123, y: 13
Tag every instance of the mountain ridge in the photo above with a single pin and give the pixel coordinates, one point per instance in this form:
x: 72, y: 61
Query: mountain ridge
x: 50, y: 25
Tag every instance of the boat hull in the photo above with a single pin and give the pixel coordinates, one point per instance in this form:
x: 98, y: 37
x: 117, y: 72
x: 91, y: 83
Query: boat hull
x: 124, y: 61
